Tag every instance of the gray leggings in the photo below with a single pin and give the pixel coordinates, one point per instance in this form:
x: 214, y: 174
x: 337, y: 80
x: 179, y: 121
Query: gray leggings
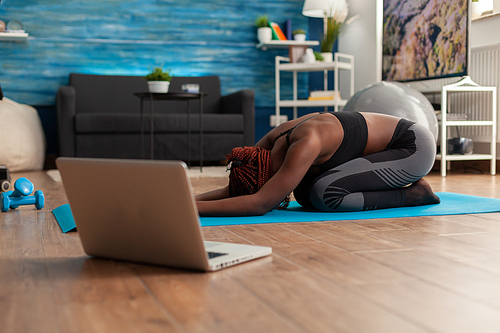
x: 374, y: 181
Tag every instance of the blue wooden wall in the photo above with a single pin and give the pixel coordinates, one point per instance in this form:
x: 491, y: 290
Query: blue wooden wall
x: 128, y: 37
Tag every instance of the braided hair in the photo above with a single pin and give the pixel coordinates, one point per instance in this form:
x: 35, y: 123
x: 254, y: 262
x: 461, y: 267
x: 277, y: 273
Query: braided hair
x: 250, y: 168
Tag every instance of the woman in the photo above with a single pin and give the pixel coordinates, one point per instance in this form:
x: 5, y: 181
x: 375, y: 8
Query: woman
x: 339, y: 161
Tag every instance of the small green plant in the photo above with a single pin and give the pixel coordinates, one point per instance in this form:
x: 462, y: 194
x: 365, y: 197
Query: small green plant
x: 158, y: 74
x: 262, y: 21
x: 333, y: 30
x: 318, y: 56
x: 299, y: 32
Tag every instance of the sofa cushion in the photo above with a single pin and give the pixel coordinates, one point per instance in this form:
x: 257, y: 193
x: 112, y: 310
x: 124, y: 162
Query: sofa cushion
x: 165, y: 123
x: 107, y: 93
x: 115, y: 94
x: 167, y: 145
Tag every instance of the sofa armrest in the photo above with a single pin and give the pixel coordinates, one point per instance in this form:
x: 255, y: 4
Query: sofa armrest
x: 242, y: 102
x: 66, y: 110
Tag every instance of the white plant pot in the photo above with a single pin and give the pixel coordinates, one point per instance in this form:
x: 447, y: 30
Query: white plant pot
x: 327, y: 56
x: 158, y: 86
x: 299, y: 37
x: 264, y: 34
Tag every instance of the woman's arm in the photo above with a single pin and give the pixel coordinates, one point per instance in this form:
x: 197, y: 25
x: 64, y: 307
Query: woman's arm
x: 299, y: 157
x: 245, y: 205
x: 220, y: 193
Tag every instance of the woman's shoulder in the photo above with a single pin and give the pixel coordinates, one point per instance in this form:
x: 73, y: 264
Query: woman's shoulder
x: 321, y: 130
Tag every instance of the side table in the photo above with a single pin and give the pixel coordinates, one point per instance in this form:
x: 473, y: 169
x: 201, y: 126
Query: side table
x: 172, y: 96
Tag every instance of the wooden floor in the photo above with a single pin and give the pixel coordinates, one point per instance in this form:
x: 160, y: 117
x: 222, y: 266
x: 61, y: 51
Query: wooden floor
x: 424, y: 274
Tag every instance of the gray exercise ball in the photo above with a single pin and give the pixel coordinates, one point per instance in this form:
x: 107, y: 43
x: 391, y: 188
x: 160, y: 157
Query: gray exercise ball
x: 396, y: 99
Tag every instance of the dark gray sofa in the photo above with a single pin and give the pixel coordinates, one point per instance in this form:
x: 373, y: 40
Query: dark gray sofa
x: 99, y: 116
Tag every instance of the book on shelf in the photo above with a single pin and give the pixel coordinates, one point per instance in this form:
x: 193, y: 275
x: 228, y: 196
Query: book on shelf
x: 320, y: 95
x: 325, y: 98
x: 288, y: 29
x: 277, y: 32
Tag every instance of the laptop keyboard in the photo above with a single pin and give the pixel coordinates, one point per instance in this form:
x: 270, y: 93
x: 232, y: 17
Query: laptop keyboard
x: 215, y: 254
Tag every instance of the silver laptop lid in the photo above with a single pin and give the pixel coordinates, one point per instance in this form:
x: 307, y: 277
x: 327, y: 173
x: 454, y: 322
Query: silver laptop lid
x: 135, y: 210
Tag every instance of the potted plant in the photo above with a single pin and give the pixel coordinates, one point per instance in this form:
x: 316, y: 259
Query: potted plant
x: 318, y: 56
x: 334, y: 26
x: 264, y: 32
x: 299, y: 35
x: 158, y: 80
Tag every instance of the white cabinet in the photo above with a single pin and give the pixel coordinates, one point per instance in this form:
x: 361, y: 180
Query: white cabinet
x: 467, y: 85
x: 341, y: 62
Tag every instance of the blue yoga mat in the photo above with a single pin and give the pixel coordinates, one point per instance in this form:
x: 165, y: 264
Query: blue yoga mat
x: 451, y: 204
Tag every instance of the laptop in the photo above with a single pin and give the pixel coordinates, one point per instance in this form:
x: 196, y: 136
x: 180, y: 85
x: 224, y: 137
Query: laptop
x: 145, y: 212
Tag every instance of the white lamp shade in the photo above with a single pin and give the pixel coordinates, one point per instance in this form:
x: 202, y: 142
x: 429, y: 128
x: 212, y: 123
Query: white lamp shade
x: 322, y: 8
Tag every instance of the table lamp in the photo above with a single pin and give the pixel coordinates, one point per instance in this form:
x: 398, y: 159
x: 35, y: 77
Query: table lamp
x: 323, y: 8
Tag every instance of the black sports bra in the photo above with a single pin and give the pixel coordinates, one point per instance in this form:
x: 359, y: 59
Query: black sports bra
x: 353, y: 144
x: 289, y: 131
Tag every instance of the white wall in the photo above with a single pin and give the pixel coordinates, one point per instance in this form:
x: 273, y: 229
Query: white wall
x: 485, y: 30
x: 363, y: 39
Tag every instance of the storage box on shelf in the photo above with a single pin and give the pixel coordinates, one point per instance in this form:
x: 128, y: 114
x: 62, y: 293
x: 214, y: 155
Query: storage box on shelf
x: 341, y: 62
x: 467, y: 85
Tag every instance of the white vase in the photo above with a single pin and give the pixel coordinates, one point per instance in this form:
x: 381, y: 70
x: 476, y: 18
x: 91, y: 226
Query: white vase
x: 264, y: 34
x: 158, y: 86
x: 299, y: 37
x: 309, y: 57
x: 327, y: 56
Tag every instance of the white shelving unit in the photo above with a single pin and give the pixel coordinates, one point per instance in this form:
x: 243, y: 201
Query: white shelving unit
x: 467, y: 85
x: 341, y: 62
x: 13, y: 36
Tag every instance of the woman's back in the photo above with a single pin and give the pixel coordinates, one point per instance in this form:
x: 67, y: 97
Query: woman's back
x: 327, y: 128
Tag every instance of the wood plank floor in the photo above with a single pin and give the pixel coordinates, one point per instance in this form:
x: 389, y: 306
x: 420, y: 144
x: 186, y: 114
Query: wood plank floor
x: 420, y: 274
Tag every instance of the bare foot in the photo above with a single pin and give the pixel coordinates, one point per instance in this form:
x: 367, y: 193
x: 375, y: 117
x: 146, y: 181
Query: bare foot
x: 420, y: 193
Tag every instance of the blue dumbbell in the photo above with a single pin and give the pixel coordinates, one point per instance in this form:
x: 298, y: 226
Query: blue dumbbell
x: 21, y: 196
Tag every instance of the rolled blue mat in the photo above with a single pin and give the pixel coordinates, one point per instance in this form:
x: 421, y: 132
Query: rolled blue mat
x: 64, y: 217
